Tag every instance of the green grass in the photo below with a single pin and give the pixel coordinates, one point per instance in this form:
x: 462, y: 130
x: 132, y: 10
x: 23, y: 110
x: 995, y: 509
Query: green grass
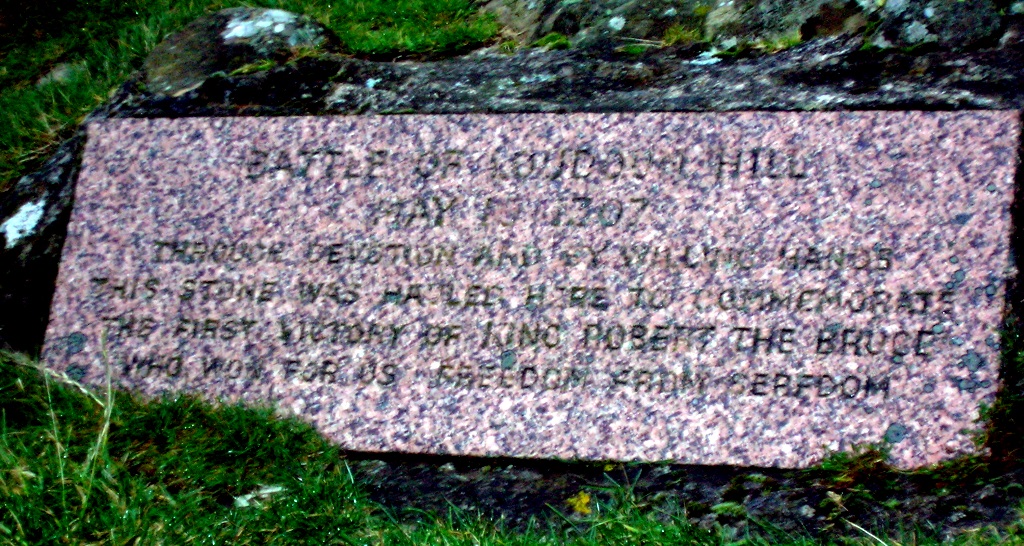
x: 106, y: 468
x: 79, y: 466
x: 108, y: 39
x: 113, y: 470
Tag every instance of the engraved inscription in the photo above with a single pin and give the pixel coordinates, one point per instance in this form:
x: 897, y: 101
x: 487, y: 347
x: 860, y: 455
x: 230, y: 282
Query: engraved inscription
x: 744, y: 288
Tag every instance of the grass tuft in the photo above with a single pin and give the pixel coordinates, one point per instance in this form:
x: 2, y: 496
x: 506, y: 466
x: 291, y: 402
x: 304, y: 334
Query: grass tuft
x: 167, y: 471
x: 682, y: 35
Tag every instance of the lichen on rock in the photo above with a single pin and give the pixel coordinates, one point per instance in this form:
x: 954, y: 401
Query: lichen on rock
x: 952, y: 24
x: 948, y: 24
x: 227, y: 41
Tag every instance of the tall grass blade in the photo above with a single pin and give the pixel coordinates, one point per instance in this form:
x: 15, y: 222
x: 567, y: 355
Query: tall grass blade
x: 100, y: 447
x: 59, y: 448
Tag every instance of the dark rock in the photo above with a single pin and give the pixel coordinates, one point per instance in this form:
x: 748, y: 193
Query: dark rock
x: 229, y: 40
x: 34, y: 222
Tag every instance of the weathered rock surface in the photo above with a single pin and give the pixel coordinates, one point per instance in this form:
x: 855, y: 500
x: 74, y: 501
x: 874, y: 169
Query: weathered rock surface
x: 946, y: 23
x: 768, y: 24
x: 229, y: 40
x: 587, y: 23
x: 834, y: 73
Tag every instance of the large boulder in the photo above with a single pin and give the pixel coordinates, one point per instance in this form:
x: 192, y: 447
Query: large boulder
x: 832, y: 71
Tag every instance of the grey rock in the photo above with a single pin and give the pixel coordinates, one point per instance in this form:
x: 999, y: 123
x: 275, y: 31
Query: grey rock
x: 952, y: 24
x: 229, y: 40
x: 588, y: 23
x: 831, y: 73
x: 947, y: 24
x: 521, y: 19
x: 769, y: 21
x: 761, y: 24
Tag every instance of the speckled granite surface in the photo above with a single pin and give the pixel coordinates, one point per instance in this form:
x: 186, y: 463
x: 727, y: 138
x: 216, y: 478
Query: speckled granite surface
x: 742, y: 288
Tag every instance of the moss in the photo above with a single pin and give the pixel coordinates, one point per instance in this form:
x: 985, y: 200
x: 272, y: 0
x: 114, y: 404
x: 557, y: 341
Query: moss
x: 633, y: 49
x: 252, y: 68
x: 553, y: 40
x: 111, y: 38
x: 778, y: 43
x: 734, y: 509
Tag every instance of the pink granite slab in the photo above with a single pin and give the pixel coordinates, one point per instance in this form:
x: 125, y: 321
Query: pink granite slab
x: 741, y: 288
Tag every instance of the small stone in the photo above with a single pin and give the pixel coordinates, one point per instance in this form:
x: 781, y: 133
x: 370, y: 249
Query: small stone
x: 508, y: 360
x: 962, y: 219
x: 61, y: 73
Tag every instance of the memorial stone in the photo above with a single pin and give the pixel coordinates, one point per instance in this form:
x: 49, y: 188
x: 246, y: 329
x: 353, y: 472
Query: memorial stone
x: 752, y: 288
